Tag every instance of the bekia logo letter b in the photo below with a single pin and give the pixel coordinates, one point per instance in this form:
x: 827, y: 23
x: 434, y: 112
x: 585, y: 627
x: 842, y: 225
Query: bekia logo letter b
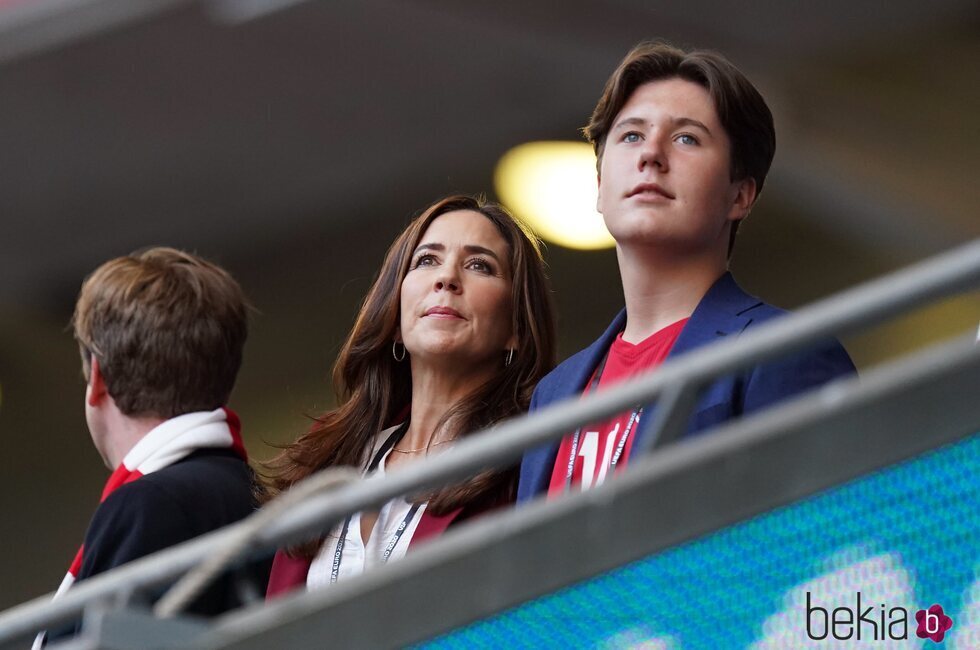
x: 933, y: 623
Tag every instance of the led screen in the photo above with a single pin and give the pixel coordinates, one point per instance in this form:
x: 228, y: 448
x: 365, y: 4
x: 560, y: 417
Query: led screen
x: 854, y: 560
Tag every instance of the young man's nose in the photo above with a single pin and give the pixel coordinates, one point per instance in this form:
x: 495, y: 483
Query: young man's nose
x: 653, y: 153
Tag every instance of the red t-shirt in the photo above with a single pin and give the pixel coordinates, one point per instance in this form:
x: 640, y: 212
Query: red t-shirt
x: 597, y: 445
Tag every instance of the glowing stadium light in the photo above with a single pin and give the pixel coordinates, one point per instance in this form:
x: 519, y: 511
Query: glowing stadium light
x: 552, y: 186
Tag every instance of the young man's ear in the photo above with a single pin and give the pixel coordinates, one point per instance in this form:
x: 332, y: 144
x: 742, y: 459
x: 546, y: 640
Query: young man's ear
x: 743, y: 200
x: 96, y: 390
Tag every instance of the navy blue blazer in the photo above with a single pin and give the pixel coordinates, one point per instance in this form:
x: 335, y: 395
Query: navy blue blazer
x: 725, y: 310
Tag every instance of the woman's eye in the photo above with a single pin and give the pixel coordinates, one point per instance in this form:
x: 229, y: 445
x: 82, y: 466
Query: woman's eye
x: 632, y: 136
x: 480, y: 265
x: 424, y: 260
x: 686, y: 138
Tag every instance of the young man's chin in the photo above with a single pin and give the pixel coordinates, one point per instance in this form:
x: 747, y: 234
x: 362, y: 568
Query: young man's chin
x: 635, y: 229
x: 648, y: 235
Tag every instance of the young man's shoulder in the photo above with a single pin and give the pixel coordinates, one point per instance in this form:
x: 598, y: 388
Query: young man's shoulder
x: 810, y: 366
x: 828, y: 348
x: 209, y: 489
x: 206, y: 490
x: 560, y: 373
x: 212, y: 482
x: 763, y: 311
x: 205, y: 466
x: 568, y: 377
x: 189, y: 498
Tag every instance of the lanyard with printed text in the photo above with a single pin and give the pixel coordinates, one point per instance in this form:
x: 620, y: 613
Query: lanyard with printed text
x: 338, y: 554
x: 634, y: 416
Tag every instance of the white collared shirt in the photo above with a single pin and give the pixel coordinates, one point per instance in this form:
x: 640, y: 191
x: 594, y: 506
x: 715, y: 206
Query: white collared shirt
x: 358, y: 556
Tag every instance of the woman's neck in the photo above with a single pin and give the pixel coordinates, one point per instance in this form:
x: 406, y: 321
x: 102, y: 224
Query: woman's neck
x: 434, y: 393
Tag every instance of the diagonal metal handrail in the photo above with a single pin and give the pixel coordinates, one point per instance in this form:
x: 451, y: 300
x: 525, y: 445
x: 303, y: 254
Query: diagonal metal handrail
x: 869, y: 303
x: 748, y: 466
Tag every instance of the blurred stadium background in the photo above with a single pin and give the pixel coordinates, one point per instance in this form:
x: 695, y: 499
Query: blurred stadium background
x: 290, y: 141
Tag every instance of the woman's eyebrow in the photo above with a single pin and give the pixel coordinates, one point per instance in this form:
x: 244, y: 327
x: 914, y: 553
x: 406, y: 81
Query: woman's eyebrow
x: 469, y: 249
x: 473, y: 248
x: 433, y: 246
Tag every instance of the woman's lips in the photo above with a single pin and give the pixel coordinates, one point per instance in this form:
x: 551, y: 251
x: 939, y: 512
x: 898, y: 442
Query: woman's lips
x: 442, y: 312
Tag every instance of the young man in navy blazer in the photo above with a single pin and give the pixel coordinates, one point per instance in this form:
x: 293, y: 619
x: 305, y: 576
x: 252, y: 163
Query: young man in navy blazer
x: 684, y: 142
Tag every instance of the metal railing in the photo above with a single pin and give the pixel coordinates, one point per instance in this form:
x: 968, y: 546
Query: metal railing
x: 673, y: 383
x: 749, y: 466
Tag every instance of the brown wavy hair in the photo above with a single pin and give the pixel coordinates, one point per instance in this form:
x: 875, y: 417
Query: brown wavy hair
x: 167, y: 328
x: 374, y: 391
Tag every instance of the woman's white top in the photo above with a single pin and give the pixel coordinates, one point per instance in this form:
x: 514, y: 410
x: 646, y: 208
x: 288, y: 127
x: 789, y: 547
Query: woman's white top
x: 359, y: 556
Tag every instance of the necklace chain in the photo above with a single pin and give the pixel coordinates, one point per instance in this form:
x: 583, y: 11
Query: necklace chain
x: 427, y: 447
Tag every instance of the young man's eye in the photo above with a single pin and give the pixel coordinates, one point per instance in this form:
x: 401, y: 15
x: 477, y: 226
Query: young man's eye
x: 687, y: 138
x: 631, y: 136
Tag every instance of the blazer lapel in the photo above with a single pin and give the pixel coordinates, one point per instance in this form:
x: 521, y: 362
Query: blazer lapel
x: 578, y: 375
x: 721, y: 313
x: 539, y: 462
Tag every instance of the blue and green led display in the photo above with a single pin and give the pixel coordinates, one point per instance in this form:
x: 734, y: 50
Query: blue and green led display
x: 901, y: 539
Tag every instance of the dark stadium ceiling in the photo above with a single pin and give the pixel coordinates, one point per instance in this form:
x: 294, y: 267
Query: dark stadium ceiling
x: 132, y: 122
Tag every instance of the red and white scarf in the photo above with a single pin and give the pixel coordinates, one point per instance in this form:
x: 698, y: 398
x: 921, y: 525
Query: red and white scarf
x: 162, y: 446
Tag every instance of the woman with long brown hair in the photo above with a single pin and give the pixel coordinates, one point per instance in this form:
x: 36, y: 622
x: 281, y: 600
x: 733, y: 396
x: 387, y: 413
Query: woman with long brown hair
x: 452, y: 338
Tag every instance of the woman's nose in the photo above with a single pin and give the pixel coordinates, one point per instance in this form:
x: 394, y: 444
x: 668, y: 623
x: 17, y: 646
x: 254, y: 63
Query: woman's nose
x: 447, y: 281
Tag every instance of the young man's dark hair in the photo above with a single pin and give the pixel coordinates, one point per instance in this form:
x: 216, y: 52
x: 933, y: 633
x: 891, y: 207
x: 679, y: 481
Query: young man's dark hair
x: 741, y: 110
x: 684, y: 143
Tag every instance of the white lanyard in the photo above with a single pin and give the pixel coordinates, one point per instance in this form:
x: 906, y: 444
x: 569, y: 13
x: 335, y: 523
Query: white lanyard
x: 338, y: 555
x: 573, y: 455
